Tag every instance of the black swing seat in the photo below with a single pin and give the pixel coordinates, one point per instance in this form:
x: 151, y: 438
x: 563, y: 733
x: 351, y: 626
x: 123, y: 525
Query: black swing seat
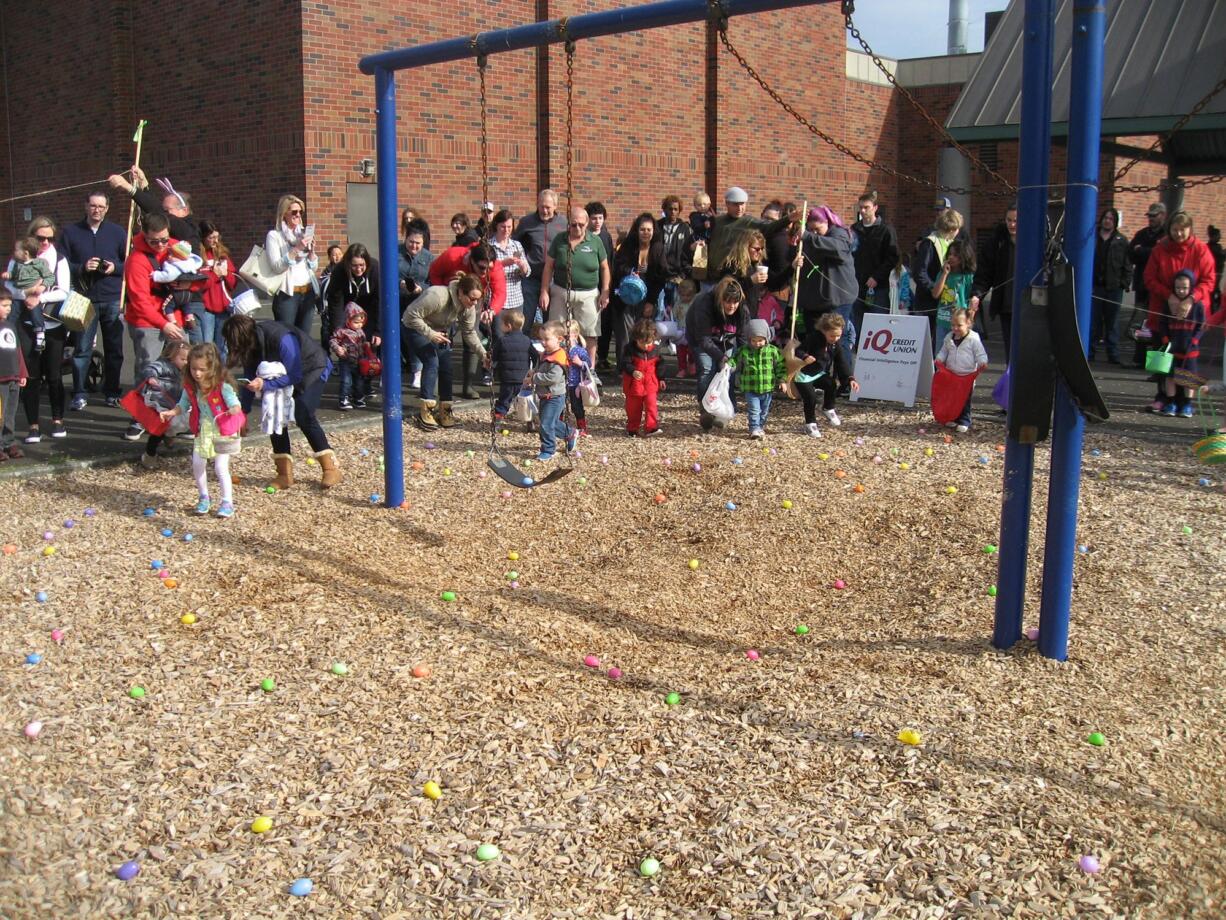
x: 510, y: 474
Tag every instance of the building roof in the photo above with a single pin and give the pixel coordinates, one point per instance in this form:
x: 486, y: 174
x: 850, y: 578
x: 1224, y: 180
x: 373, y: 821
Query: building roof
x: 1161, y: 59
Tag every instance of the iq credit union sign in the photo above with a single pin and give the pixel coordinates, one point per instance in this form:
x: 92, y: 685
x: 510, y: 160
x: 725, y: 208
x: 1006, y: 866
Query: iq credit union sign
x: 894, y: 359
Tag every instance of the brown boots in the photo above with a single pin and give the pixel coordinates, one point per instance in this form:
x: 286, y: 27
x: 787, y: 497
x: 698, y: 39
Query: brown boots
x: 445, y: 417
x: 425, y: 415
x: 285, y: 471
x: 331, y: 471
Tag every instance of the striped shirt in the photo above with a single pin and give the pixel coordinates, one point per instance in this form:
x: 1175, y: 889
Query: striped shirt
x: 511, y: 249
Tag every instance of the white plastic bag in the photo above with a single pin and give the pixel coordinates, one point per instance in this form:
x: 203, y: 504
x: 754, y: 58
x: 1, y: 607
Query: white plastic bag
x: 716, y: 402
x: 589, y: 392
x: 524, y: 409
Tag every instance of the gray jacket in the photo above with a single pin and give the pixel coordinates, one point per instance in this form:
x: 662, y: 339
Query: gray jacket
x: 437, y: 309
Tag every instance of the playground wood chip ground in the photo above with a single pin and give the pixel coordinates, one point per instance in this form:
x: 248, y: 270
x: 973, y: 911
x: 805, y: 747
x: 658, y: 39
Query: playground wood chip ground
x: 773, y: 787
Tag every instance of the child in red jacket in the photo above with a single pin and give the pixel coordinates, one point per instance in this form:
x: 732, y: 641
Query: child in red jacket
x: 641, y: 380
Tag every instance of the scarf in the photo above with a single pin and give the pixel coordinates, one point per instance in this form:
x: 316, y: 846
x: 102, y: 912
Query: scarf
x: 824, y: 213
x: 276, y: 406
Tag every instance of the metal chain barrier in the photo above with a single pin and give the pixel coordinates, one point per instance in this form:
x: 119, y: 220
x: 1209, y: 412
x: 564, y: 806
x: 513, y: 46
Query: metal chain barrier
x: 1165, y: 139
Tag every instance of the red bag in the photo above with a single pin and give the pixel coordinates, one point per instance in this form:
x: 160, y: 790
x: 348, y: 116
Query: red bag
x: 949, y: 393
x: 146, y: 415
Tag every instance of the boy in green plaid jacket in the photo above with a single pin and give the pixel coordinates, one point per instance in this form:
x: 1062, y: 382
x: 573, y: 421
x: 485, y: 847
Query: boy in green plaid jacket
x: 760, y: 369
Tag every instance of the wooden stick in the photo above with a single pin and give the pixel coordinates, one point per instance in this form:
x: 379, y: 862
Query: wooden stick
x: 792, y: 364
x: 139, y: 139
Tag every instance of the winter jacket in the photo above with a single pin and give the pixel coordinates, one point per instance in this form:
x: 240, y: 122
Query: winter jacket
x: 414, y: 274
x: 678, y: 247
x: 512, y: 357
x: 451, y: 262
x: 350, y: 344
x: 723, y: 228
x: 79, y: 244
x: 1167, y: 260
x: 701, y: 224
x: 963, y: 357
x: 994, y: 275
x: 1111, y: 261
x: 646, y: 362
x: 876, y: 256
x: 344, y: 289
x: 828, y: 275
x: 536, y: 235
x: 161, y: 384
x: 305, y: 362
x: 1139, y: 251
x: 780, y: 253
x: 12, y: 360
x: 578, y: 360
x: 926, y: 268
x: 145, y: 299
x: 549, y: 378
x: 829, y: 358
x: 759, y: 370
x: 1183, y: 335
x: 218, y: 289
x: 438, y: 309
x: 710, y: 330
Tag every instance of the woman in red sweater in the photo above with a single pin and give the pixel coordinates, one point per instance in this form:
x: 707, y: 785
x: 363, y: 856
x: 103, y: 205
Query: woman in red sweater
x: 221, y: 277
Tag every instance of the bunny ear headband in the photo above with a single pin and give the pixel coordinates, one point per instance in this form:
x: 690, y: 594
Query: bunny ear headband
x: 170, y: 190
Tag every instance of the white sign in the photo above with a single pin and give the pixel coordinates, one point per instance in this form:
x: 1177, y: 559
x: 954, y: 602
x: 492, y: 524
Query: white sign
x: 894, y: 360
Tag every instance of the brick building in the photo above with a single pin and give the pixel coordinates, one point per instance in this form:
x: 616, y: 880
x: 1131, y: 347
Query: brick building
x: 248, y: 101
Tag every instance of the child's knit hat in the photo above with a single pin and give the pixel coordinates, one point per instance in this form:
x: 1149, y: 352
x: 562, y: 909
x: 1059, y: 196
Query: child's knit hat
x: 1185, y: 273
x: 182, y: 249
x: 759, y: 328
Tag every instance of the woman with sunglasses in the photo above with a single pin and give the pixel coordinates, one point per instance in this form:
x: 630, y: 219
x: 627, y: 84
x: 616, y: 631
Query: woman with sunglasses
x: 290, y: 247
x: 47, y: 364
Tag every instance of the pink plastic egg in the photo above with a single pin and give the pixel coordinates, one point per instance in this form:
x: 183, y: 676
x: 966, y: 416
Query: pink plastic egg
x: 1033, y: 634
x: 506, y: 493
x: 839, y: 584
x: 1089, y: 864
x: 753, y: 654
x: 48, y: 535
x: 615, y: 673
x: 515, y: 584
x: 32, y: 729
x: 605, y: 460
x: 57, y: 635
x: 697, y: 467
x: 592, y: 661
x: 481, y: 474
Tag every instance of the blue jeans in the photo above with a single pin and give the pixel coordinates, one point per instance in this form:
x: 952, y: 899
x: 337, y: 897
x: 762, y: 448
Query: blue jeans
x: 552, y: 426
x: 706, y: 372
x: 208, y: 326
x: 531, y: 287
x: 353, y: 384
x: 757, y: 407
x: 108, y: 319
x: 295, y: 310
x: 1104, y: 310
x: 849, y: 330
x: 435, y: 366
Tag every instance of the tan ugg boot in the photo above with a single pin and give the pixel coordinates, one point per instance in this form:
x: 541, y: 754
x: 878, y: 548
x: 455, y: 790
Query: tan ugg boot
x: 331, y: 470
x: 445, y: 417
x: 285, y: 471
x: 425, y: 415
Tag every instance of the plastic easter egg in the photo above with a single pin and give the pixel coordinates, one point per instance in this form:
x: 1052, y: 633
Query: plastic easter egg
x: 948, y: 439
x: 421, y: 671
x: 774, y: 452
x: 928, y: 452
x: 985, y: 460
x: 614, y: 673
x: 801, y: 629
x: 1204, y: 482
x: 922, y: 430
x: 991, y: 590
x: 693, y: 455
x: 340, y: 668
x: 261, y: 825
x: 1102, y: 475
x: 187, y: 619
x: 33, y: 658
x: 268, y: 685
x: 910, y: 736
x: 582, y: 480
x: 90, y: 512
x: 515, y: 584
x: 170, y: 582
x: 668, y: 461
x: 48, y: 535
x: 989, y: 548
x: 858, y: 488
x: 1186, y: 530
x: 363, y: 452
x: 432, y: 791
x: 156, y: 564
x: 137, y: 693
x: 951, y: 490
x: 506, y: 493
x: 310, y: 461
x: 660, y: 498
x: 163, y: 573
x: 469, y: 454
x: 48, y: 550
x: 417, y: 466
x: 33, y: 729
x: 128, y: 871
x: 859, y: 442
x: 513, y: 556
x: 149, y: 512
x: 430, y: 445
x: 1096, y: 738
x: 1089, y: 864
x: 839, y: 584
x: 605, y: 459
x: 1096, y: 452
x: 512, y: 575
x: 448, y: 596
x: 41, y: 597
x: 57, y: 635
x: 488, y: 851
x: 753, y: 654
x: 787, y: 504
x: 270, y: 490
x: 1032, y: 633
x: 840, y: 474
x: 481, y: 474
x: 167, y: 532
x: 404, y: 505
x: 697, y: 467
x: 187, y: 538
x: 592, y: 661
x: 527, y: 463
x: 673, y: 699
x: 649, y: 868
x: 737, y: 461
x: 9, y: 549
x: 693, y: 564
x: 528, y: 481
x: 374, y: 498
x: 301, y: 887
x: 505, y: 432
x: 904, y: 466
x: 1082, y: 548
x: 731, y: 506
x: 879, y: 459
x: 446, y: 471
x: 823, y: 456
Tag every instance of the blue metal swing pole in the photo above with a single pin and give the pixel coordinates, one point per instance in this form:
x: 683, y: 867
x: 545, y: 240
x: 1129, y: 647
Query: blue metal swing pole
x: 389, y: 288
x: 1034, y: 152
x: 1080, y: 234
x: 383, y: 67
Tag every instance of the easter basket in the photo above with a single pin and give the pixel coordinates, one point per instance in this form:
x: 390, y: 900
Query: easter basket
x: 1159, y: 362
x: 1211, y: 449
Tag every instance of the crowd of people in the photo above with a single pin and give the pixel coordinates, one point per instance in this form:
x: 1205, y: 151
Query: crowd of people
x: 542, y: 304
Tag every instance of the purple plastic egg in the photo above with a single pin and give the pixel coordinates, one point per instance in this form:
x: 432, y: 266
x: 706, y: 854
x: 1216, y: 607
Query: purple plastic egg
x: 128, y: 871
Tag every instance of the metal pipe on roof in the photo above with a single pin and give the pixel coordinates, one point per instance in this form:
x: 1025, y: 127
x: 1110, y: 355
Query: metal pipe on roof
x: 959, y: 16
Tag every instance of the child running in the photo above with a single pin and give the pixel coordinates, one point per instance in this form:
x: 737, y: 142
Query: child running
x: 578, y: 368
x: 962, y: 353
x: 215, y: 424
x: 759, y: 367
x: 160, y: 389
x: 549, y: 380
x: 826, y: 366
x: 641, y: 381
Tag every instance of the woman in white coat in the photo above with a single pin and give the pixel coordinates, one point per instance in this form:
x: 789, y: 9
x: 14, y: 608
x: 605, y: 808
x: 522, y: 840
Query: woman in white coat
x: 290, y: 248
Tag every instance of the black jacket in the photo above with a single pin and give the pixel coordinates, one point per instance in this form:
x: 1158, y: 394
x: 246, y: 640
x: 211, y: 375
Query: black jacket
x: 512, y: 357
x: 364, y: 292
x: 779, y: 256
x: 678, y: 247
x: 305, y: 362
x: 181, y: 228
x: 876, y: 256
x: 1139, y: 249
x: 1111, y: 261
x: 832, y: 359
x: 710, y: 330
x: 828, y: 275
x: 626, y: 260
x: 995, y: 272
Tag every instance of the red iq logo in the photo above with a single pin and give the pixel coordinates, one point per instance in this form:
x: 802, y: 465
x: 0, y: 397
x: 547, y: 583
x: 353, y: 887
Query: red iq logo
x: 879, y: 341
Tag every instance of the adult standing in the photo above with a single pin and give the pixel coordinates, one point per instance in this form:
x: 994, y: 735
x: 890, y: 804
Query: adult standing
x: 723, y: 227
x: 781, y: 249
x: 355, y: 280
x: 290, y: 248
x: 598, y: 224
x: 473, y: 259
x: 511, y: 256
x: 876, y: 255
x: 428, y: 321
x: 536, y: 233
x: 1139, y: 250
x: 248, y: 344
x: 411, y: 220
x: 994, y: 275
x: 46, y: 364
x: 715, y: 326
x: 927, y: 264
x: 640, y: 253
x: 576, y: 279
x: 828, y: 273
x: 95, y: 249
x: 678, y: 240
x: 220, y: 282
x: 1110, y: 279
x: 415, y: 258
x: 1214, y: 242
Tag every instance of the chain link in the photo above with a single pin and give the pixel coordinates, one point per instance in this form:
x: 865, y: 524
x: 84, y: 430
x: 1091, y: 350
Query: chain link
x: 1165, y: 139
x: 570, y: 116
x: 485, y: 156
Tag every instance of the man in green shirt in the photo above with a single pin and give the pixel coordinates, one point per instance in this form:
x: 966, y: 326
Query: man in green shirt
x: 577, y: 260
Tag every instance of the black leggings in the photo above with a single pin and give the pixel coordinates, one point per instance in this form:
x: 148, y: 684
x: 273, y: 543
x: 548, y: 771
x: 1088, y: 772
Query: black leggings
x: 808, y: 395
x: 48, y: 366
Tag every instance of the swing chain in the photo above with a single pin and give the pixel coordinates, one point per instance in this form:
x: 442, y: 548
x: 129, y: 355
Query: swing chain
x: 570, y: 96
x: 485, y: 160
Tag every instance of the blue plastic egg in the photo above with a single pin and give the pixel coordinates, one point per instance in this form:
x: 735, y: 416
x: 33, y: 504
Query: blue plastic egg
x: 156, y: 564
x: 128, y: 871
x: 41, y: 597
x: 167, y: 532
x: 187, y: 538
x: 301, y: 887
x: 731, y: 506
x: 149, y: 512
x: 33, y: 658
x: 374, y: 498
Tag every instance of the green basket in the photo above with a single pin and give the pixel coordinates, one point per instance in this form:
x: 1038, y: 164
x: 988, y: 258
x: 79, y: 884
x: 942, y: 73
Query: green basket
x: 1159, y: 362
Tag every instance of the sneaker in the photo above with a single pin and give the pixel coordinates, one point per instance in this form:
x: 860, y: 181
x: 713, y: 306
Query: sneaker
x: 78, y: 403
x: 1187, y: 411
x: 632, y: 434
x: 150, y: 461
x: 833, y: 416
x: 345, y: 405
x: 1156, y: 406
x: 652, y: 432
x: 112, y: 402
x: 1169, y: 409
x: 756, y: 434
x: 360, y: 403
x: 226, y: 510
x: 15, y: 453
x: 543, y: 457
x: 572, y: 440
x: 134, y: 432
x: 34, y: 437
x: 962, y: 429
x: 58, y: 430
x: 204, y: 505
x: 812, y: 430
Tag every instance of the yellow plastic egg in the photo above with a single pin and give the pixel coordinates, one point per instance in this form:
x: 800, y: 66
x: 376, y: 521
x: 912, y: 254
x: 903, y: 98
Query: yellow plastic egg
x: 951, y: 490
x: 261, y: 825
x: 432, y: 791
x: 693, y: 563
x: 187, y: 619
x: 904, y: 466
x: 48, y: 550
x: 513, y: 556
x: 928, y: 451
x: 910, y: 736
x: 787, y: 504
x: 823, y: 456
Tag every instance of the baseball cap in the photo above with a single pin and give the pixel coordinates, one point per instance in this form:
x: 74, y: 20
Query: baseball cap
x: 736, y: 195
x: 488, y: 206
x: 1156, y: 208
x: 943, y: 204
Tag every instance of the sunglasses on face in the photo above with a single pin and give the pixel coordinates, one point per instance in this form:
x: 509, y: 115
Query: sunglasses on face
x: 45, y: 239
x: 294, y: 212
x: 161, y: 241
